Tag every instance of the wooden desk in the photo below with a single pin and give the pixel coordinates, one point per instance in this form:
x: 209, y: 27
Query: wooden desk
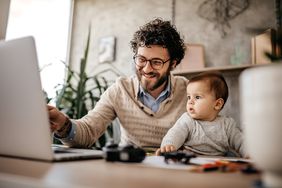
x: 98, y: 173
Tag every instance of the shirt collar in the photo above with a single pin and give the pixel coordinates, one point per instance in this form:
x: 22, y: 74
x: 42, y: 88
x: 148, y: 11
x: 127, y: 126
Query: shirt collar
x: 167, y: 90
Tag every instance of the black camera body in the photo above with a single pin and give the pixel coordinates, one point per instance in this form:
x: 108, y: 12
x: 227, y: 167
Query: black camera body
x: 128, y: 153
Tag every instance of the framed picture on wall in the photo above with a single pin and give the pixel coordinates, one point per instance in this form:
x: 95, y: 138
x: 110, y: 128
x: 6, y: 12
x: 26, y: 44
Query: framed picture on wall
x: 193, y: 59
x: 107, y: 48
x: 262, y: 44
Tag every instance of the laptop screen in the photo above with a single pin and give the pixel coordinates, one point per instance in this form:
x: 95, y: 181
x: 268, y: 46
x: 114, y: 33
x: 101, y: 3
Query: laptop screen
x: 24, y: 122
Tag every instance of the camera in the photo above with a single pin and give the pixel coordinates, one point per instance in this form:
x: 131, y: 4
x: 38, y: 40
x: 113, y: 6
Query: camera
x: 127, y: 153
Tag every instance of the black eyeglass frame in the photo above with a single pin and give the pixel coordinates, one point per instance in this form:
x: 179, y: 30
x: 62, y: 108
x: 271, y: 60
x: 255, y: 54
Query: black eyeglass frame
x: 150, y: 61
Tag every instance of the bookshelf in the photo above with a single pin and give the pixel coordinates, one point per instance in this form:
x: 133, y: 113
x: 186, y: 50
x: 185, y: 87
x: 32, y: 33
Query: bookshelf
x: 222, y: 69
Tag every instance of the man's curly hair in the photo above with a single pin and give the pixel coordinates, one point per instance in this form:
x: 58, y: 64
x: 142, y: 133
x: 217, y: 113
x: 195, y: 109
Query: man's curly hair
x: 159, y: 32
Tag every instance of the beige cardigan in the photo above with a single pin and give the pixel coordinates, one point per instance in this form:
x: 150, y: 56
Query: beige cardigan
x: 139, y: 125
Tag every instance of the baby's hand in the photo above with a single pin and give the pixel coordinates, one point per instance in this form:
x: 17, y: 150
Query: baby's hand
x: 167, y: 148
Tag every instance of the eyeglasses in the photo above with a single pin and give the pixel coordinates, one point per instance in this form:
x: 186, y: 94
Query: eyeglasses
x: 155, y: 63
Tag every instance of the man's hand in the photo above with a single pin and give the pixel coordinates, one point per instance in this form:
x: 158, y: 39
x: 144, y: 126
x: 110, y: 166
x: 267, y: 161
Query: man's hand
x: 167, y: 148
x: 56, y: 118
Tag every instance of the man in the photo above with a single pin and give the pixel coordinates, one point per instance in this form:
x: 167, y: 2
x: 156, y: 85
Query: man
x: 146, y: 104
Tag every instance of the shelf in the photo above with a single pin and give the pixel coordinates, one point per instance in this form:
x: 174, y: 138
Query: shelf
x: 221, y: 69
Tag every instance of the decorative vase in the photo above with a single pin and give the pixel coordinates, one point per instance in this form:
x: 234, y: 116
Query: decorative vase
x: 261, y: 117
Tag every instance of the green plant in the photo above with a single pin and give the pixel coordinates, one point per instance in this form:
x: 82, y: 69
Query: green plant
x: 47, y: 98
x: 81, y: 92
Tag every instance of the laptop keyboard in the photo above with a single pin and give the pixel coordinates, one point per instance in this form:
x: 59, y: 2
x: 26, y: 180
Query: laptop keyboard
x: 62, y: 151
x: 57, y: 149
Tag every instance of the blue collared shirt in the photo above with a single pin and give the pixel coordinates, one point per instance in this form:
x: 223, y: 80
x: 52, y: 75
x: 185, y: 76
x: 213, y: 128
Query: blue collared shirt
x: 150, y: 101
x: 71, y: 134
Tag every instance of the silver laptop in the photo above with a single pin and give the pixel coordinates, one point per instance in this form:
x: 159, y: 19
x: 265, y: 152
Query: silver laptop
x: 24, y: 124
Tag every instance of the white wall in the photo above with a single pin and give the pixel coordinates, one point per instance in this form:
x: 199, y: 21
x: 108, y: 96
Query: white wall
x: 123, y: 17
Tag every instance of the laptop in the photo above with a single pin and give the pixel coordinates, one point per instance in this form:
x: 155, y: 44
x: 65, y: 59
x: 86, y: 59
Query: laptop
x: 24, y: 123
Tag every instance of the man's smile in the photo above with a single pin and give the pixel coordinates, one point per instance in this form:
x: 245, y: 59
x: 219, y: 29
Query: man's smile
x: 148, y: 75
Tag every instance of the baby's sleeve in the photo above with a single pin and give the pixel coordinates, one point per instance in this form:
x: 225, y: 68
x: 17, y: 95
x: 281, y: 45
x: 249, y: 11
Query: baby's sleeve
x: 178, y: 134
x: 236, y: 138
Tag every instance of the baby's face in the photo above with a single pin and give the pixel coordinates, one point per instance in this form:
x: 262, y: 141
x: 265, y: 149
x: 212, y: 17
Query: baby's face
x: 201, y: 101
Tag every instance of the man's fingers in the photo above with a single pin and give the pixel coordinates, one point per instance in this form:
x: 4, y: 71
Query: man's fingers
x: 53, y: 117
x: 49, y: 107
x: 53, y: 113
x: 52, y: 127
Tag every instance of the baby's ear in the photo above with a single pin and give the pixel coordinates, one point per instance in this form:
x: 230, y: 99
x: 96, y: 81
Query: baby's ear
x: 219, y: 104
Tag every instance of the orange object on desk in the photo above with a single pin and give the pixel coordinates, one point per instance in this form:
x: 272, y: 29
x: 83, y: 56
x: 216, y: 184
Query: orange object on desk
x: 221, y: 165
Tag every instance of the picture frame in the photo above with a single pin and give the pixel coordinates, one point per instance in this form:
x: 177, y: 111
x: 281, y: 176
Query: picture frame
x: 107, y: 49
x: 193, y: 59
x: 262, y: 44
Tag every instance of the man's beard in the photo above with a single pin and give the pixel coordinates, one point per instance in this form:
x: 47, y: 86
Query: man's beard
x: 160, y: 80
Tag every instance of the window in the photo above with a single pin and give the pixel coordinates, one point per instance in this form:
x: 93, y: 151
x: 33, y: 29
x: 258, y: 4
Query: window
x: 48, y: 21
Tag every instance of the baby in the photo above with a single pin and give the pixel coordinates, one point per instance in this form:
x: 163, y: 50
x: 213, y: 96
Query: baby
x: 201, y: 130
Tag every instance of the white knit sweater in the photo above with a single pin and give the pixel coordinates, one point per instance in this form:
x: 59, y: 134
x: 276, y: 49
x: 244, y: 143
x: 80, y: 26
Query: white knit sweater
x: 139, y: 125
x: 218, y: 137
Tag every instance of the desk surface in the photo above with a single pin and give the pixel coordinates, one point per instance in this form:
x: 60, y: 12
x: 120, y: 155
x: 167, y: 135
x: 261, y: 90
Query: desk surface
x: 98, y: 173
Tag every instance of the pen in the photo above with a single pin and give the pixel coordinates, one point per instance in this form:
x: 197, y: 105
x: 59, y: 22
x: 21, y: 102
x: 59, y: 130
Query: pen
x: 209, y: 167
x: 206, y: 167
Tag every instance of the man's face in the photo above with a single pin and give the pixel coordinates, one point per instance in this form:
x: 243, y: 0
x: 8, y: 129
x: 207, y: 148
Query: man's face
x: 150, y: 78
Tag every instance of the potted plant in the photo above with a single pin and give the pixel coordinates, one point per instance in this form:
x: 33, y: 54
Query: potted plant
x: 81, y: 92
